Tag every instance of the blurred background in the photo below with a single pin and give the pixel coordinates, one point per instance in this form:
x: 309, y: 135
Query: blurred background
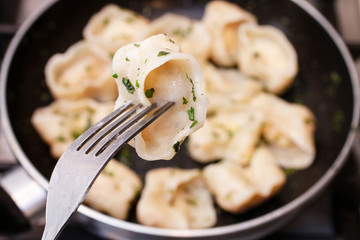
x: 335, y: 215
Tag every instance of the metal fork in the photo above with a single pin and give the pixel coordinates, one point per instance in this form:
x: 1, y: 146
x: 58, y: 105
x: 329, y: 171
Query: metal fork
x: 85, y: 158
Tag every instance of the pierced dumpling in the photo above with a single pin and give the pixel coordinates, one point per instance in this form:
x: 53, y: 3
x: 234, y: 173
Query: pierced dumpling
x: 60, y: 123
x: 265, y: 53
x: 176, y: 198
x: 288, y: 129
x: 154, y: 71
x: 84, y: 70
x: 231, y: 135
x: 223, y: 19
x: 227, y: 88
x: 237, y: 188
x: 114, y: 191
x: 113, y: 27
x: 191, y: 35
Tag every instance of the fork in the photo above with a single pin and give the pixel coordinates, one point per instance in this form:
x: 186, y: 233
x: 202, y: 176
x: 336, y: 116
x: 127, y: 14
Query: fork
x: 85, y: 158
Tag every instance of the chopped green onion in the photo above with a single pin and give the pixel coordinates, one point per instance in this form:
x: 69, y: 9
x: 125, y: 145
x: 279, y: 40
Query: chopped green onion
x: 162, y: 53
x: 130, y: 88
x: 127, y: 59
x: 136, y: 45
x: 193, y: 124
x: 176, y: 146
x: 137, y: 84
x: 185, y: 101
x: 115, y: 75
x: 149, y: 93
x: 191, y: 113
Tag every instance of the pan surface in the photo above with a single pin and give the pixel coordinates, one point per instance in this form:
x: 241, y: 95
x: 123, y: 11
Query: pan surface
x: 326, y: 83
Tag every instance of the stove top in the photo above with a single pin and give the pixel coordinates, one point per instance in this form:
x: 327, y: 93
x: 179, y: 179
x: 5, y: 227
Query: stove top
x: 335, y: 215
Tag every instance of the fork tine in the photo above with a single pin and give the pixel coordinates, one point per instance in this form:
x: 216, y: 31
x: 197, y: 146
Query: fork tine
x: 88, y: 134
x: 110, y: 137
x: 106, y: 129
x: 111, y: 147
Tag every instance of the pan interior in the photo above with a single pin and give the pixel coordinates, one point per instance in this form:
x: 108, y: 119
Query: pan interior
x: 323, y: 84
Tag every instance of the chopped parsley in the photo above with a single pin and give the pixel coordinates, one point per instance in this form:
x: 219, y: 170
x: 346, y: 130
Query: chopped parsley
x: 191, y: 113
x: 192, y: 88
x: 130, y: 88
x: 149, y: 93
x: 194, y: 123
x: 136, y: 45
x: 176, y: 146
x: 115, y: 75
x: 185, y: 101
x: 127, y: 59
x: 60, y: 138
x: 145, y: 61
x: 137, y: 84
x: 162, y: 53
x: 171, y: 40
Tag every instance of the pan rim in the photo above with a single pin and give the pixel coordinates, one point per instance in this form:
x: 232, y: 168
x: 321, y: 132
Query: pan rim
x: 216, y: 231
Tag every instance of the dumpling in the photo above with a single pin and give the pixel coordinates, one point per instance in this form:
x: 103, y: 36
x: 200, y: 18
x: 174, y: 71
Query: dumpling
x: 230, y: 135
x: 154, y: 71
x: 223, y: 19
x: 227, y: 87
x: 84, y: 70
x: 113, y: 27
x: 288, y: 129
x: 238, y: 188
x: 190, y: 34
x: 264, y: 52
x: 176, y: 198
x: 115, y: 190
x: 60, y: 123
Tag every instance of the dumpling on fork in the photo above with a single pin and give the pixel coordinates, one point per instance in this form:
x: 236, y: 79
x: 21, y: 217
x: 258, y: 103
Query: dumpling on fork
x: 265, y: 53
x: 176, y: 198
x: 113, y: 27
x: 223, y: 19
x: 60, y: 123
x: 155, y: 71
x: 84, y: 70
x: 191, y: 35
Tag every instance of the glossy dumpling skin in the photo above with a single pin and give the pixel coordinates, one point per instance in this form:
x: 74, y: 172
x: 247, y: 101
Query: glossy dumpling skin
x: 113, y: 27
x: 114, y: 190
x: 264, y: 52
x: 191, y: 35
x: 228, y: 134
x: 155, y: 65
x: 84, y: 70
x: 237, y: 188
x: 176, y: 198
x: 223, y: 19
x: 60, y: 123
x: 227, y: 88
x: 288, y: 130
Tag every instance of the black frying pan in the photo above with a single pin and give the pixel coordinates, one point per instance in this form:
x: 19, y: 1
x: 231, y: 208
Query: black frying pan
x: 326, y: 83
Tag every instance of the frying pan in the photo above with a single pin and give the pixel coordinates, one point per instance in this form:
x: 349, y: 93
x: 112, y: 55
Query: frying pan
x: 326, y: 83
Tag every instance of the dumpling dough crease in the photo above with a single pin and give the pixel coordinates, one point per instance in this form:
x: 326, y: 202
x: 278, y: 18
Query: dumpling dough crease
x: 176, y: 198
x: 114, y: 190
x: 191, y: 35
x: 223, y: 19
x: 113, y: 27
x: 264, y: 52
x: 155, y: 71
x: 288, y: 130
x: 84, y: 70
x: 60, y: 123
x: 237, y: 188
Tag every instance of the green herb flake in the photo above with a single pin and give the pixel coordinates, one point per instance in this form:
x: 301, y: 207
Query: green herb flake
x: 130, y: 88
x: 136, y: 45
x: 191, y: 202
x: 210, y: 114
x: 256, y: 55
x: 115, y: 75
x: 194, y: 123
x: 149, y: 93
x: 192, y: 87
x: 289, y: 171
x: 185, y: 101
x: 127, y: 59
x: 60, y: 138
x: 106, y: 21
x: 172, y: 41
x: 137, y: 84
x: 162, y: 53
x: 146, y: 60
x: 176, y: 146
x: 191, y: 113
